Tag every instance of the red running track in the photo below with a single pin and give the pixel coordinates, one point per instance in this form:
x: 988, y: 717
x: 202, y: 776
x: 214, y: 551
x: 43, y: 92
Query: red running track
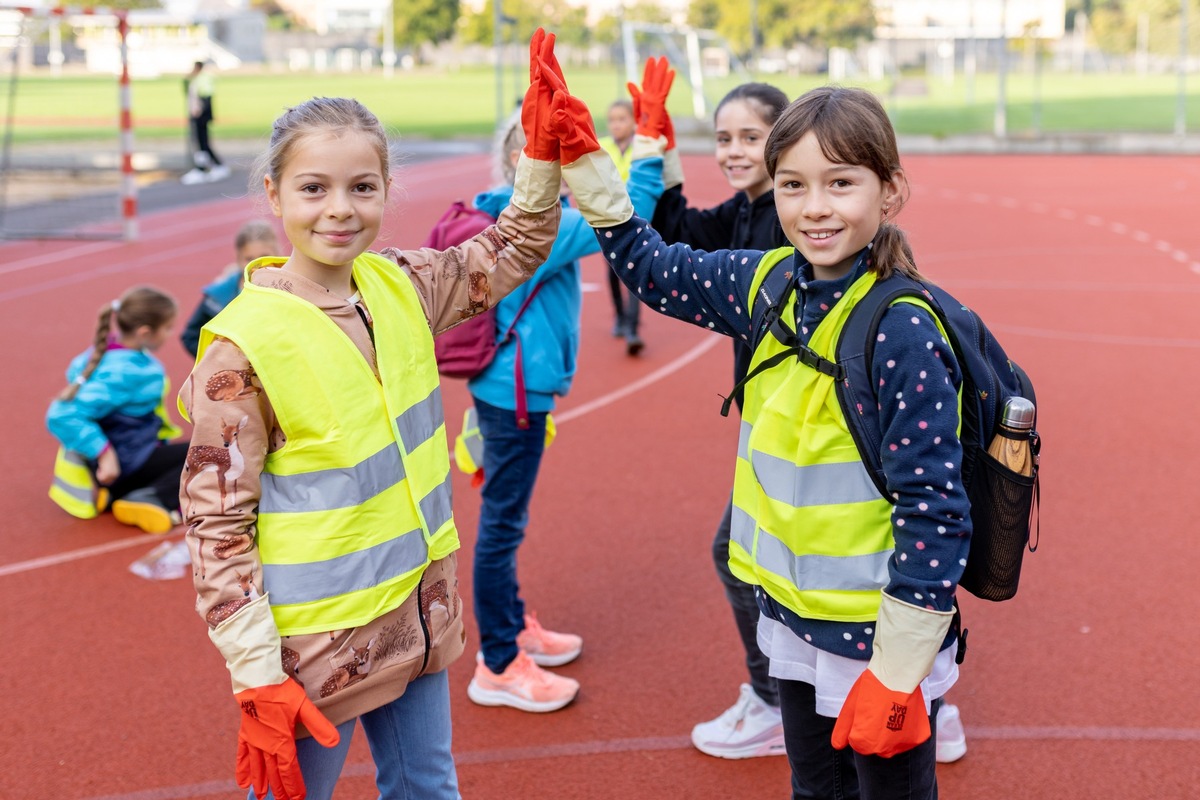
x: 1081, y: 687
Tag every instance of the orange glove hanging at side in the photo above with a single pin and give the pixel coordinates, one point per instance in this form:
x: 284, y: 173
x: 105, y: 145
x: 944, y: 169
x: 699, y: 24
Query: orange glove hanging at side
x: 266, y: 753
x: 878, y: 721
x: 541, y: 142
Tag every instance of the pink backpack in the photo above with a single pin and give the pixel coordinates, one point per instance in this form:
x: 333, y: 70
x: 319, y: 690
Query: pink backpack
x: 465, y: 350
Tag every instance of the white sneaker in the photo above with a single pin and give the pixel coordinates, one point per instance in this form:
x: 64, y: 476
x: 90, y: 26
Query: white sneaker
x: 217, y: 173
x: 951, y: 738
x: 748, y: 729
x: 193, y: 176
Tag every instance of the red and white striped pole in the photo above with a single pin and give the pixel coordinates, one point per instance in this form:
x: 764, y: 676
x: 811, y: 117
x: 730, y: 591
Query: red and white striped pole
x: 128, y: 179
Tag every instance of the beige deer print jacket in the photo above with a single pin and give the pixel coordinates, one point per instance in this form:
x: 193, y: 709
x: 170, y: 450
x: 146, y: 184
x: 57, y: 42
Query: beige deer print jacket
x: 345, y: 672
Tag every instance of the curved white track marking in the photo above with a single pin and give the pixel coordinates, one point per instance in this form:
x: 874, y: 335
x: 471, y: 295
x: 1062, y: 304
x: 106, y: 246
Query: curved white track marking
x: 1037, y: 207
x: 641, y: 383
x: 75, y: 555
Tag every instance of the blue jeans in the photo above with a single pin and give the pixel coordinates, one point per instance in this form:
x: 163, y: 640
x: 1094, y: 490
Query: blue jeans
x: 410, y: 744
x: 511, y: 458
x: 819, y: 771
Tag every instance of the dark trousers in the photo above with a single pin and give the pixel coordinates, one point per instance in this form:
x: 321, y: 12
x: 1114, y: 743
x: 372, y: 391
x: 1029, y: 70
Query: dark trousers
x: 626, y: 307
x: 819, y: 771
x: 200, y: 132
x: 160, y: 472
x: 745, y: 614
x: 511, y: 457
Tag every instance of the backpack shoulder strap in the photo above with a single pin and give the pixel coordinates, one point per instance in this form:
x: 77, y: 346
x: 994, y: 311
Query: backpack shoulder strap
x: 779, y: 282
x: 766, y: 316
x: 855, y: 351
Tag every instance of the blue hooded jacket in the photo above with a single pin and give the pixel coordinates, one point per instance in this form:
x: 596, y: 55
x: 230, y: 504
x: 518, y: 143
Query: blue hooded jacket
x: 549, y: 328
x: 116, y: 406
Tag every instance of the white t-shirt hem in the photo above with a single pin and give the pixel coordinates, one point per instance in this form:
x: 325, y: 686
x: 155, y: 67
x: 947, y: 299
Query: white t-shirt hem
x: 832, y: 676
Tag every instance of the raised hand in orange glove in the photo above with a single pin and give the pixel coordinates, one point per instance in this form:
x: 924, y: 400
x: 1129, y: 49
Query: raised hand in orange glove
x: 571, y: 119
x: 650, y: 100
x: 266, y: 753
x: 884, y: 714
x: 541, y: 142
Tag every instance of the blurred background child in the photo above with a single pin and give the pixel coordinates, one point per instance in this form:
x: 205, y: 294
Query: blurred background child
x: 111, y: 422
x: 619, y: 145
x: 255, y: 239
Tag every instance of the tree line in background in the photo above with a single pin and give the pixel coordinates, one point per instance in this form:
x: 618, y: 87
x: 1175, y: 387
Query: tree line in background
x: 1114, y: 26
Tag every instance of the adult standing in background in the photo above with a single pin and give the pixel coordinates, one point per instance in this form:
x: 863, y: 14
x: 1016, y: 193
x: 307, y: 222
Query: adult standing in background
x: 208, y: 167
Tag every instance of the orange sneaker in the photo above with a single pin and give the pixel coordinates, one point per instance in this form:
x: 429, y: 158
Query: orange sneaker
x: 522, y: 685
x: 547, y: 648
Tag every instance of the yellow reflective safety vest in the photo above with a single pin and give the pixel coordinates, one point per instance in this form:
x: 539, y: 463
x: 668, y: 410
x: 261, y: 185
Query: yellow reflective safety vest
x: 357, y: 503
x: 808, y: 526
x: 624, y: 161
x: 74, y: 488
x: 468, y: 445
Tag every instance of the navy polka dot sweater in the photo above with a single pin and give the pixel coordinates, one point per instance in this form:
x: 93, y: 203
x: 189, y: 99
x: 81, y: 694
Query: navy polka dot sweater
x: 917, y: 377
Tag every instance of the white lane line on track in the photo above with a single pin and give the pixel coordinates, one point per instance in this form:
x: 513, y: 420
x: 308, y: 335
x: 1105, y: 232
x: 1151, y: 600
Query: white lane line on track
x: 663, y: 743
x: 75, y: 555
x: 592, y: 405
x: 201, y: 221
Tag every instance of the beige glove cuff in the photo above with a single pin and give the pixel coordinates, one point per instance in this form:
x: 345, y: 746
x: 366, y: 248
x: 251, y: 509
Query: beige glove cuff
x: 672, y: 168
x: 249, y: 641
x: 907, y: 640
x: 645, y: 147
x: 537, y: 185
x: 598, y: 189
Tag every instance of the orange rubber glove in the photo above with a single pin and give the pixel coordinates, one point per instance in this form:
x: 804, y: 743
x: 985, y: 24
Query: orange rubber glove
x: 266, y: 753
x: 571, y: 120
x: 878, y: 721
x: 650, y: 101
x: 541, y: 142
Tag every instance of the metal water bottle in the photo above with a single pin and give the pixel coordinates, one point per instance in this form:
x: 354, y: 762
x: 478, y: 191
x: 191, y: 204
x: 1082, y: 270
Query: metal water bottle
x: 1012, y: 445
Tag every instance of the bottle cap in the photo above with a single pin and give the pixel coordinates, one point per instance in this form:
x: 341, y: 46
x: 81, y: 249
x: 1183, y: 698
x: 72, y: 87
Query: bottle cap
x: 1018, y: 413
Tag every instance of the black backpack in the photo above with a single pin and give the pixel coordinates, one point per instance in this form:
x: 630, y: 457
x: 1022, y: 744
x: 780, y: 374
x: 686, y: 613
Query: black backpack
x: 1003, y: 503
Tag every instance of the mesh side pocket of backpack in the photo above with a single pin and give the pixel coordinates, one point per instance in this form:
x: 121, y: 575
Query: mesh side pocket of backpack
x: 1001, y: 510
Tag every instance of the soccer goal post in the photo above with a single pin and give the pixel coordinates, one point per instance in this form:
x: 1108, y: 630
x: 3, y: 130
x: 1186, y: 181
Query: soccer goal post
x: 694, y: 52
x: 66, y: 156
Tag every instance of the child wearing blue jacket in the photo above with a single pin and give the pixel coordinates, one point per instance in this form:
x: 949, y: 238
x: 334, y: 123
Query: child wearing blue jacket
x: 856, y: 589
x: 254, y: 240
x: 111, y: 422
x: 512, y: 404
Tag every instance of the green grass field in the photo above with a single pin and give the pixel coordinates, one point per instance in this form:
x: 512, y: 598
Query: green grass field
x: 444, y: 105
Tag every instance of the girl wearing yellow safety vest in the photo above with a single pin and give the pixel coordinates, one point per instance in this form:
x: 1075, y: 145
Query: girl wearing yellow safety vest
x: 856, y: 591
x: 317, y: 486
x: 111, y: 424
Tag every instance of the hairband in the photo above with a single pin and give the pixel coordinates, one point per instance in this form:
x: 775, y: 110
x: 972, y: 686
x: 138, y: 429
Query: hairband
x: 116, y: 306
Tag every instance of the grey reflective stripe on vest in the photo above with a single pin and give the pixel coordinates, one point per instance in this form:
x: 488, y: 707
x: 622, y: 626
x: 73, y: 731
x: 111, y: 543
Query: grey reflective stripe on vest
x: 814, y: 484
x: 744, y: 440
x: 76, y: 493
x: 306, y: 583
x: 436, y: 506
x: 327, y: 489
x: 741, y: 529
x: 421, y: 421
x: 844, y: 573
x: 829, y: 573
